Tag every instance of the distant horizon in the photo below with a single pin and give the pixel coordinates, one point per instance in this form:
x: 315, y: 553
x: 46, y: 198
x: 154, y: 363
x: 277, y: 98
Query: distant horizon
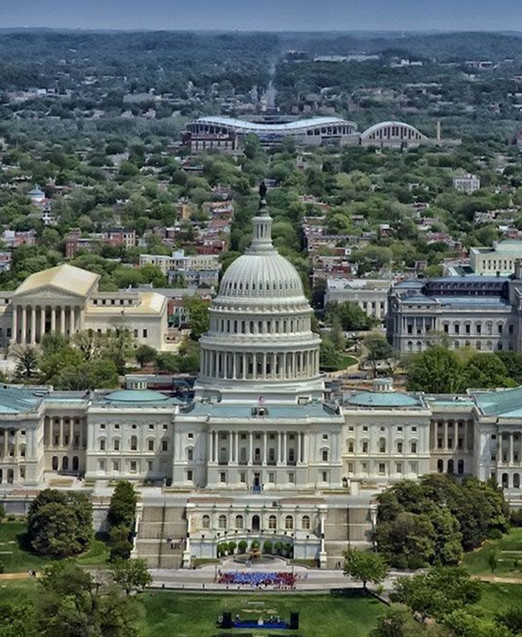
x: 272, y: 16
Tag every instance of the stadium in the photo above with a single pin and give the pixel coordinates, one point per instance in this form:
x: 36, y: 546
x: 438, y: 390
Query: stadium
x: 314, y: 131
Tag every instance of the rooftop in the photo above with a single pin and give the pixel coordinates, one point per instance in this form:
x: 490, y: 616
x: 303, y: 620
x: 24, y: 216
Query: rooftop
x: 383, y: 400
x: 268, y: 127
x: 67, y: 278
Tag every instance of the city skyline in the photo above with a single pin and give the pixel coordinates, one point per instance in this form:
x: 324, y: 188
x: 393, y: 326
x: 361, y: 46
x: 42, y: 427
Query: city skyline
x: 289, y: 15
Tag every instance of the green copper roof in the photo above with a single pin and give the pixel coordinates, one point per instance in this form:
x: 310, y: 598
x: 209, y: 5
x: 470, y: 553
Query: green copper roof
x: 136, y: 396
x: 383, y: 399
x: 500, y: 402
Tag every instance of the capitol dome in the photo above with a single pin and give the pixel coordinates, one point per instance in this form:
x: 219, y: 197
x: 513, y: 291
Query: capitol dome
x: 260, y: 333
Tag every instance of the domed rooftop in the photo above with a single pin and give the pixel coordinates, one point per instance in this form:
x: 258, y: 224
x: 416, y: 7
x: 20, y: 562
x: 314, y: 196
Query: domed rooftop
x: 262, y: 271
x: 261, y: 275
x: 383, y: 399
x: 136, y: 396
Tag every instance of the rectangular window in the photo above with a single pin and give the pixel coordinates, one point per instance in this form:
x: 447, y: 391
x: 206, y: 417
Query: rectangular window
x: 165, y: 445
x: 242, y: 477
x: 399, y: 447
x: 133, y: 466
x: 350, y: 467
x: 116, y: 444
x: 144, y: 333
x: 325, y: 476
x: 382, y: 468
x: 149, y: 465
x: 190, y: 454
x: 190, y: 436
x: 271, y: 477
x: 398, y: 467
x: 189, y: 475
x: 223, y: 477
x: 101, y: 465
x: 116, y: 465
x: 365, y: 447
x: 291, y: 478
x: 102, y: 445
x: 151, y: 445
x: 414, y: 447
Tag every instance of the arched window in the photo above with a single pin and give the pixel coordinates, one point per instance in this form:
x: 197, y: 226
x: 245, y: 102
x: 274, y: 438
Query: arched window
x: 55, y: 463
x: 306, y: 523
x: 272, y: 522
x: 382, y: 445
x: 516, y: 480
x: 440, y: 466
x: 134, y: 443
x: 205, y: 522
x: 505, y: 480
x: 460, y: 467
x: 65, y: 463
x: 239, y: 522
x: 289, y: 522
x: 75, y: 463
x: 451, y: 466
x: 222, y: 522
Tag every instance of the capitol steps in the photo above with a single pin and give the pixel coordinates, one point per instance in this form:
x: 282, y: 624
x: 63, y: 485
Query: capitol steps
x: 160, y: 536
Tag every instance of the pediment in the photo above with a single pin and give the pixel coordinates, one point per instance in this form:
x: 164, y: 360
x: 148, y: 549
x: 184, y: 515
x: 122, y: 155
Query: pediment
x: 48, y: 292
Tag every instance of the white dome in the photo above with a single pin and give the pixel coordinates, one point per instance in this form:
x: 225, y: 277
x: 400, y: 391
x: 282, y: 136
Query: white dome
x: 261, y: 275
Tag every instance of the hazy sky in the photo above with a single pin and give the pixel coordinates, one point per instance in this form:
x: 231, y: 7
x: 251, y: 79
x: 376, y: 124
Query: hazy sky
x: 296, y: 15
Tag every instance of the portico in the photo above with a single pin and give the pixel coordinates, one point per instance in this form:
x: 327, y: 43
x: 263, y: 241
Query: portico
x: 31, y: 321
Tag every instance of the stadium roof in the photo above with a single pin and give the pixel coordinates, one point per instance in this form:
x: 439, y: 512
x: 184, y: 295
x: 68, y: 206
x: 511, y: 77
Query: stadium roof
x: 254, y: 127
x: 380, y: 125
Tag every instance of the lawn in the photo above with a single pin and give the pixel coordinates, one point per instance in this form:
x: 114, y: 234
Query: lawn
x: 499, y: 597
x: 15, y: 557
x: 194, y: 615
x: 508, y: 551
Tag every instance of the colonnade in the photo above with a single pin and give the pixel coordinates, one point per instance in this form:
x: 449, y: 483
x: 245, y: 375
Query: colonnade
x: 11, y: 445
x: 257, y: 448
x: 61, y: 432
x: 446, y: 434
x: 510, y: 451
x: 260, y: 365
x: 32, y: 322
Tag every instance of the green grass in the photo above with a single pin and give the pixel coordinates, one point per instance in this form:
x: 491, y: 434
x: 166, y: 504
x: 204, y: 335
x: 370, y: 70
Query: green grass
x: 508, y: 549
x: 347, y: 361
x: 16, y: 558
x: 499, y: 597
x: 195, y: 615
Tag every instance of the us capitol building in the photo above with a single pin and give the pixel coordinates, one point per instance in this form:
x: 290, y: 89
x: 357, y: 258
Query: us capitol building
x: 258, y: 453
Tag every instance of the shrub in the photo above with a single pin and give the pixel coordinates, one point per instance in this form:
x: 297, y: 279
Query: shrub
x: 255, y: 544
x: 494, y: 534
x: 268, y: 547
x: 242, y: 546
x: 232, y: 547
x: 278, y: 547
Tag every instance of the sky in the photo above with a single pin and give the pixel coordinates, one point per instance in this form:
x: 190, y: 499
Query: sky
x: 265, y: 15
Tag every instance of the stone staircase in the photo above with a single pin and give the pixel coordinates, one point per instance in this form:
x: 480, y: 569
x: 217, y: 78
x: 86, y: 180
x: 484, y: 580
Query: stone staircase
x: 161, y: 536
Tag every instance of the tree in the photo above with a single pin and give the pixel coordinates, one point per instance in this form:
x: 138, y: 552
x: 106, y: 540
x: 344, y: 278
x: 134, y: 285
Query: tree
x: 198, y: 316
x: 486, y: 371
x: 493, y: 560
x: 408, y: 541
x: 377, y: 350
x: 365, y: 567
x: 72, y: 603
x: 463, y: 623
x: 60, y: 524
x: 16, y: 620
x: 145, y: 354
x: 132, y: 575
x: 436, y: 370
x: 399, y: 622
x: 511, y: 619
x: 438, y: 592
x: 329, y: 356
x: 26, y: 361
x: 122, y: 507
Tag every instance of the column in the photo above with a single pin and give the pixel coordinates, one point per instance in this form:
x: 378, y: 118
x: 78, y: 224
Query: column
x: 42, y: 322
x: 61, y: 432
x: 280, y: 446
x: 53, y: 319
x: 62, y: 319
x: 456, y: 435
x: 234, y: 366
x: 265, y: 439
x: 285, y: 455
x: 236, y: 452
x: 250, y: 448
x: 33, y: 325
x: 15, y: 324
x: 511, y: 446
x: 264, y: 365
x: 244, y: 374
x: 23, y: 335
x: 71, y: 432
x: 6, y: 442
x: 445, y: 435
x: 301, y: 447
x: 72, y: 320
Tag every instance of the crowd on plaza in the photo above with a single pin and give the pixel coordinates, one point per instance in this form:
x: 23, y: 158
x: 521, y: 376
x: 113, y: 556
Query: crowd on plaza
x: 277, y: 579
